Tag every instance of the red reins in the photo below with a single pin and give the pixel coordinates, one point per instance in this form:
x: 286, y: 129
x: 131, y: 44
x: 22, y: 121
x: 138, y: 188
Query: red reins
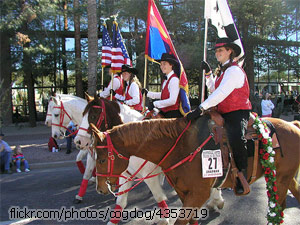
x: 111, y: 151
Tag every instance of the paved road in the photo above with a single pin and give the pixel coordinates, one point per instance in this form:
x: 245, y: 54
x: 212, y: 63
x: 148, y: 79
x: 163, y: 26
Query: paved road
x: 56, y: 187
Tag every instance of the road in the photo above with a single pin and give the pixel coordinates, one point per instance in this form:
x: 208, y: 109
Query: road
x: 54, y: 188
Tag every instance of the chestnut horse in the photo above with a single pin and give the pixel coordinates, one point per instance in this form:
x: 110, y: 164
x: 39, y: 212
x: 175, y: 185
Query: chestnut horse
x: 152, y: 140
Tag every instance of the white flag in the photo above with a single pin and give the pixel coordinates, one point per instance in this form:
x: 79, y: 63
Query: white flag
x: 219, y: 13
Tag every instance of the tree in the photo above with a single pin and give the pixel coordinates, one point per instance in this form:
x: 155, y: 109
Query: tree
x: 78, y: 73
x: 92, y: 47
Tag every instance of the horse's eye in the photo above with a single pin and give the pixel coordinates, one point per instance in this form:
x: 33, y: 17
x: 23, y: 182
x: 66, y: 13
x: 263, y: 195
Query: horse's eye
x: 101, y: 161
x: 56, y: 115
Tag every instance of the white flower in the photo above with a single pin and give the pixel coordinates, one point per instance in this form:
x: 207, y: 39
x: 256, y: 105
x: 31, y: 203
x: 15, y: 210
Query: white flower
x: 274, y: 172
x: 272, y: 214
x: 269, y: 149
x: 254, y: 126
x: 261, y: 127
x: 265, y: 135
x: 273, y: 152
x: 271, y: 159
x: 270, y: 224
x: 272, y: 204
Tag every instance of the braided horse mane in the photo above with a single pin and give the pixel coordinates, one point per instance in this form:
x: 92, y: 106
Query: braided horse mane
x: 148, y: 130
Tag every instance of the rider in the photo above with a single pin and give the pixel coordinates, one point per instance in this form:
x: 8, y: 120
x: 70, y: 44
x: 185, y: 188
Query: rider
x: 117, y: 85
x: 133, y: 95
x: 231, y: 96
x: 169, y: 96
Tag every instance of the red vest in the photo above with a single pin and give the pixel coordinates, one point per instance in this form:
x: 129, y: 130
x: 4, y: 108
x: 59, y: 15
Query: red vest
x: 165, y: 94
x: 238, y: 99
x: 119, y: 90
x: 138, y: 106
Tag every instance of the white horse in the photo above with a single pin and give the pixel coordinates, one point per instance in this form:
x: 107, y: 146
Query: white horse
x: 84, y: 139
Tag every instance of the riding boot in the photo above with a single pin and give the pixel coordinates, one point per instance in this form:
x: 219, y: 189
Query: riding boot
x: 239, y: 186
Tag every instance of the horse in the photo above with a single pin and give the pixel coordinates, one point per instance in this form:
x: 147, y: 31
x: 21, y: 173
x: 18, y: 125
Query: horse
x: 193, y: 190
x: 115, y: 113
x: 63, y: 109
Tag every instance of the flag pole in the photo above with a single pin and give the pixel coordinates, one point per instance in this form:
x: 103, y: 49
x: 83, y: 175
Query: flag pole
x: 112, y: 85
x: 204, y: 59
x: 145, y: 79
x: 102, y: 74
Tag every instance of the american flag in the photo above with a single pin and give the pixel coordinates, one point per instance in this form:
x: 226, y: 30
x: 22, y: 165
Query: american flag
x: 106, y: 47
x: 119, y: 52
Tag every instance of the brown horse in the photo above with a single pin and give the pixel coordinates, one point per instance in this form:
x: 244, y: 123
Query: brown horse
x: 152, y: 140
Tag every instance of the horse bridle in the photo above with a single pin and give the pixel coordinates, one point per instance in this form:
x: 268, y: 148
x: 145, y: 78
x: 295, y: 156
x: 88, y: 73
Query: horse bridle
x: 102, y: 117
x: 111, y: 151
x: 62, y: 114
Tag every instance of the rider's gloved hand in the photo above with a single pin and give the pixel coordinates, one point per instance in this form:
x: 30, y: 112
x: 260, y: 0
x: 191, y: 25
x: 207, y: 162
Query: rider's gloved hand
x: 112, y: 92
x: 205, y: 66
x: 151, y: 106
x: 194, y: 114
x: 144, y: 90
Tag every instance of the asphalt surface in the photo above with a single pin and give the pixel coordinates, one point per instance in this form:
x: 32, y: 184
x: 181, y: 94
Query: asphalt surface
x: 55, y: 188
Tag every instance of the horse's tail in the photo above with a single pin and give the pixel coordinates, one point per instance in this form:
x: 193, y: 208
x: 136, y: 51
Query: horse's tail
x: 296, y: 123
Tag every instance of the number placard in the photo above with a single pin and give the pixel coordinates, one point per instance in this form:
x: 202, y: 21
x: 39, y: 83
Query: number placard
x: 212, y: 163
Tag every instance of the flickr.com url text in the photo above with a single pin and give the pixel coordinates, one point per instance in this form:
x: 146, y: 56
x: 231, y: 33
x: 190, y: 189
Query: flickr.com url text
x: 63, y: 214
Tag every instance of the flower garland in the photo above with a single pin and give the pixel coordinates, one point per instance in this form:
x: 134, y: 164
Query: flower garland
x: 275, y: 214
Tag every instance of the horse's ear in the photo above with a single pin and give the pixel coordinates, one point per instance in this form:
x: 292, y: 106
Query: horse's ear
x: 55, y: 100
x: 88, y: 98
x: 97, y: 133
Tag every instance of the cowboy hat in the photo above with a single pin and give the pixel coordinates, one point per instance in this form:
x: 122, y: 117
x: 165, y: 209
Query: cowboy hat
x: 130, y: 69
x: 227, y: 42
x: 168, y: 58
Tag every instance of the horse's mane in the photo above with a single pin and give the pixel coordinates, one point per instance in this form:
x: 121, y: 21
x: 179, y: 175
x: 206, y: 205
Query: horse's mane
x: 148, y: 130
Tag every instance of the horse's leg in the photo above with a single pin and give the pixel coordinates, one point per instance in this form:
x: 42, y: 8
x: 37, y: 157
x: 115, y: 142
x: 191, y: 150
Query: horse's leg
x: 294, y: 187
x: 192, y: 201
x: 79, y: 158
x: 90, y: 165
x: 121, y: 201
x: 154, y: 185
x: 216, y: 199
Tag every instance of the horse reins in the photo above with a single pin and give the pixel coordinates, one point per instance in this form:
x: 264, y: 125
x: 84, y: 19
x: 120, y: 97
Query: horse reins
x: 111, y: 149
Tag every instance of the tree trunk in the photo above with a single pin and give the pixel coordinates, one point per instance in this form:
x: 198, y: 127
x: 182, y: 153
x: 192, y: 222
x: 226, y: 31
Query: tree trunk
x: 29, y: 81
x: 5, y: 81
x: 64, y: 62
x: 78, y: 74
x: 92, y: 46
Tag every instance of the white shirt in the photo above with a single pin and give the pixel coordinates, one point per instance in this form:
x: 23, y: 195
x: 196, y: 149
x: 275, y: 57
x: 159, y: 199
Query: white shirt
x: 233, y: 78
x: 266, y: 107
x: 173, y: 88
x: 134, y: 92
x: 116, y: 85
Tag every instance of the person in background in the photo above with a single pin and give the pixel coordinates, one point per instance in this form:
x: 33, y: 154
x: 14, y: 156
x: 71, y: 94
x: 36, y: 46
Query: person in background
x: 133, y: 95
x: 70, y: 135
x: 19, y: 158
x: 267, y: 106
x: 169, y: 101
x: 5, y: 155
x: 117, y: 86
x: 230, y: 93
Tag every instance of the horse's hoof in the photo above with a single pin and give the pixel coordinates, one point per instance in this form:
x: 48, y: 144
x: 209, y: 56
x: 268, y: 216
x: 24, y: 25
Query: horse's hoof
x: 221, y: 205
x: 77, y: 201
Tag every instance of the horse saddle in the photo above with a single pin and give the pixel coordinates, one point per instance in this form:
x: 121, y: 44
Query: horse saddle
x: 216, y: 126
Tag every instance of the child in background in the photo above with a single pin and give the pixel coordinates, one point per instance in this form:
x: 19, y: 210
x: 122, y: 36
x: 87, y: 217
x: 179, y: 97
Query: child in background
x: 18, y: 158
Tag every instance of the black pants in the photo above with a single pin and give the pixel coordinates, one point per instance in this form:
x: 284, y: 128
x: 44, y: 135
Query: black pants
x: 236, y: 123
x: 171, y: 114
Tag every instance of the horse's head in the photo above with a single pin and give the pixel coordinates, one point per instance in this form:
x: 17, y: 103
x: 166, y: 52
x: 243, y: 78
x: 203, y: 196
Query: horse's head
x: 49, y: 113
x: 109, y: 162
x: 99, y: 111
x: 60, y: 118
